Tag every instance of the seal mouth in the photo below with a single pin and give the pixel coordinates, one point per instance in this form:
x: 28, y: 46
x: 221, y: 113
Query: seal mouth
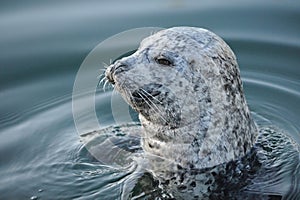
x: 148, y: 92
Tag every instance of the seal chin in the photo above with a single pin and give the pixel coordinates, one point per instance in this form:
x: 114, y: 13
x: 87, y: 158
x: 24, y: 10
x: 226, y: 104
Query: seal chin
x: 157, y: 104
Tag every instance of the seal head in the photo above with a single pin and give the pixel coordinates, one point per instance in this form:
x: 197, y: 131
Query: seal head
x: 184, y: 82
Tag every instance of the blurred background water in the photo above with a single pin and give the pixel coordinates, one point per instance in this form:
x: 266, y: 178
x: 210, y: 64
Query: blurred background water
x: 43, y: 44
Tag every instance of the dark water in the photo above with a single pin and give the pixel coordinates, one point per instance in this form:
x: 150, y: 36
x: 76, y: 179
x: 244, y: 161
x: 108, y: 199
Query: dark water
x: 44, y: 43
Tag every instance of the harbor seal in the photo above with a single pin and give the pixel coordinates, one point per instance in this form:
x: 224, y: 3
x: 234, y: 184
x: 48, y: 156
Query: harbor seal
x: 185, y: 85
x: 196, y: 126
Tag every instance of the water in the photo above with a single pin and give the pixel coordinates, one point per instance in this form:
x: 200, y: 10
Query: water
x: 43, y: 44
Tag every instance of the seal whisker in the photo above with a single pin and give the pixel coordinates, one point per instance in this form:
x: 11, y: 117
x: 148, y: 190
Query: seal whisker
x: 170, y: 111
x: 154, y: 106
x: 151, y: 96
x: 105, y: 65
x: 108, y: 86
x: 127, y: 93
x: 101, y: 74
x: 104, y: 85
x: 156, y: 110
x: 101, y: 80
x: 114, y: 91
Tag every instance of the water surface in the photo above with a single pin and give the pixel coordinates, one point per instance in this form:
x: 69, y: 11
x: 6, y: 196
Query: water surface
x: 43, y: 44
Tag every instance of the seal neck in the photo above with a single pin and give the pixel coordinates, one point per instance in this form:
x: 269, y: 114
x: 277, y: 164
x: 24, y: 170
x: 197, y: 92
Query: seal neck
x: 192, y: 145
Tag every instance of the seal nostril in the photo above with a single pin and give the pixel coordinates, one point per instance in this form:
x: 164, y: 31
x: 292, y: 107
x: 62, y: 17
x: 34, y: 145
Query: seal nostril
x: 113, y: 70
x: 110, y: 80
x: 108, y: 74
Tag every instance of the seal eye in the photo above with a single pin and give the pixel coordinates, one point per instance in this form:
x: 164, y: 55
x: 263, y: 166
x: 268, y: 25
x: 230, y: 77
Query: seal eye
x: 163, y: 61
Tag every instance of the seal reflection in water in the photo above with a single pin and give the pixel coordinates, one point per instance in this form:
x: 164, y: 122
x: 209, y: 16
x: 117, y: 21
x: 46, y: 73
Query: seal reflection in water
x: 196, y: 126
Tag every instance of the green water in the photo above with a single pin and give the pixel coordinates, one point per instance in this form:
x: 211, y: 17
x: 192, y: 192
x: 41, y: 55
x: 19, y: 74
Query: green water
x: 43, y: 44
